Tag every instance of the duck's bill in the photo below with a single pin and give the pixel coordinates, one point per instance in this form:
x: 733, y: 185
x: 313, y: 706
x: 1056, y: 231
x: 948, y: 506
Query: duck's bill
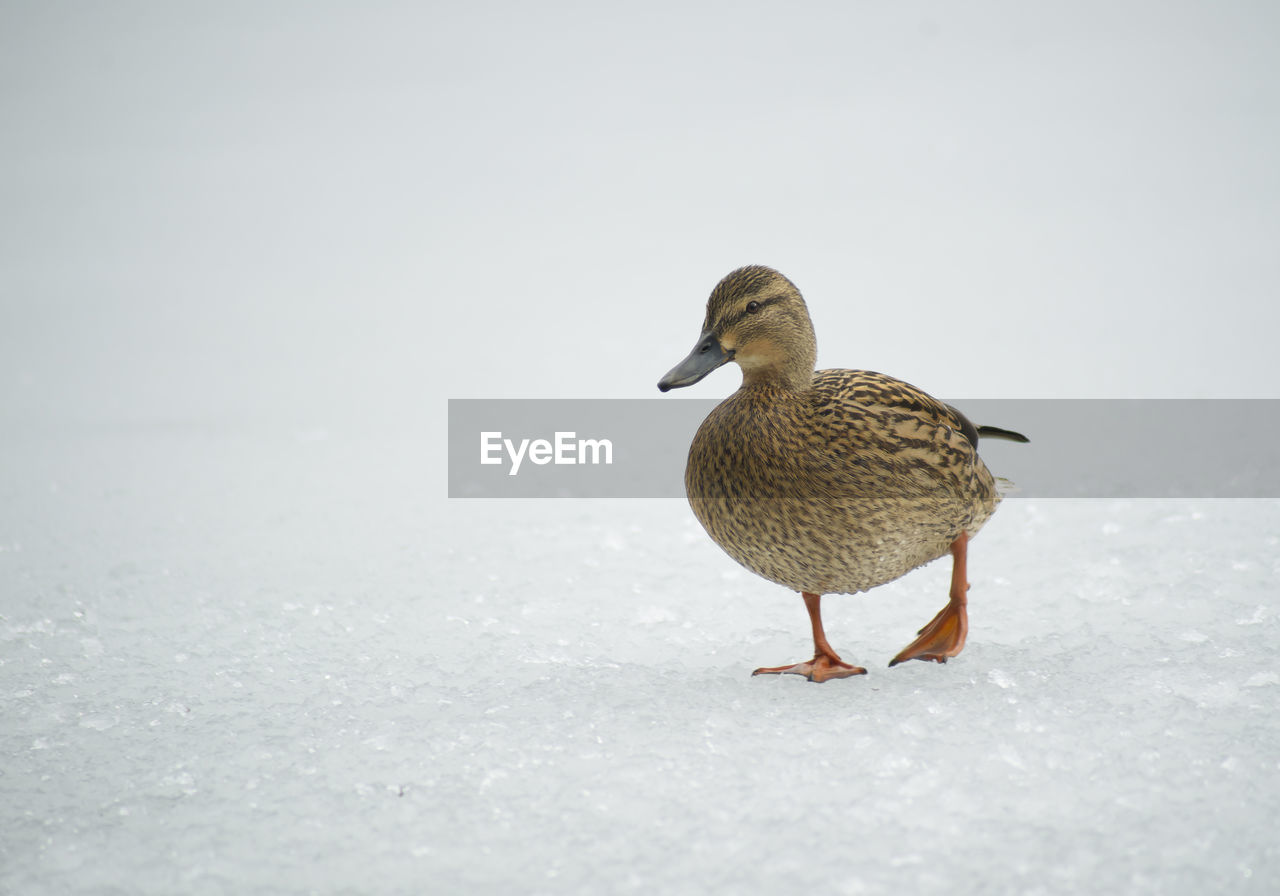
x: 706, y: 356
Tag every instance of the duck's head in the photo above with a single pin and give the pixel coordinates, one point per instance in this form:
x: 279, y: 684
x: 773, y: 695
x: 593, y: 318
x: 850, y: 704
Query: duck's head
x: 758, y: 318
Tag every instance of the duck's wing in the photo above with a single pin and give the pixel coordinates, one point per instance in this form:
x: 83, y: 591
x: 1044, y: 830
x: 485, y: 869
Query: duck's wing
x: 881, y: 392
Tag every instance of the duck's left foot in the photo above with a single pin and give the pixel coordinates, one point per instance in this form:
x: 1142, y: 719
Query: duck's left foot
x: 821, y: 668
x: 825, y: 664
x: 944, y: 636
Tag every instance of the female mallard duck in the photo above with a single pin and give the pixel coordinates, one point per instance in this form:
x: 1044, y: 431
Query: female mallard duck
x: 828, y: 482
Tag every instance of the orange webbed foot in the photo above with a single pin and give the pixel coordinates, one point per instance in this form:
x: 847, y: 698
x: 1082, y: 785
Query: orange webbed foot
x: 944, y: 636
x: 821, y: 668
x: 825, y: 664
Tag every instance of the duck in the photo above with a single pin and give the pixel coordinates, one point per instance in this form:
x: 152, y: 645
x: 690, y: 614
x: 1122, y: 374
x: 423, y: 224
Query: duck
x: 829, y: 481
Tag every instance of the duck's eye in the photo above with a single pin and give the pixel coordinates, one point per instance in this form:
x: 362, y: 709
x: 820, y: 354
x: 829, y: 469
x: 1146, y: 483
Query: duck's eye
x: 753, y: 307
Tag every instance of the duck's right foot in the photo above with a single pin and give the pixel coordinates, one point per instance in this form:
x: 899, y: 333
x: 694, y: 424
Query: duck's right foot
x: 943, y: 637
x: 945, y: 634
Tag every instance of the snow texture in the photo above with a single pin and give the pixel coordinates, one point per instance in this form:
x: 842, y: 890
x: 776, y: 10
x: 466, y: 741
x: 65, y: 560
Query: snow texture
x: 257, y: 661
x: 248, y: 251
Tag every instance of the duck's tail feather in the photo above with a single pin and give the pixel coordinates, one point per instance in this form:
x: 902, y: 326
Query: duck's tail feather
x: 1006, y: 487
x: 995, y: 432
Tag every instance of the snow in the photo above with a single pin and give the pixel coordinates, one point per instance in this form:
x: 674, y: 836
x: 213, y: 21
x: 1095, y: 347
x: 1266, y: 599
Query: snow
x: 247, y: 254
x: 231, y: 661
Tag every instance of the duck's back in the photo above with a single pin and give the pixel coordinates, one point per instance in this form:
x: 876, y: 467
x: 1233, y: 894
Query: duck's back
x: 840, y: 487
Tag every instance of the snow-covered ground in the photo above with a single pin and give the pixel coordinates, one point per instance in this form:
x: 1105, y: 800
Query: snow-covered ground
x: 247, y: 253
x: 250, y: 660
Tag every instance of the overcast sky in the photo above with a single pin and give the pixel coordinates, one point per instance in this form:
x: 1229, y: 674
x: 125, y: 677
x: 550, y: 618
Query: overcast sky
x: 306, y: 210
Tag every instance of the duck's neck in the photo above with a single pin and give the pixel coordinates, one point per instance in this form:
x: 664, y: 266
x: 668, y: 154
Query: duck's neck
x: 790, y: 379
x: 780, y: 365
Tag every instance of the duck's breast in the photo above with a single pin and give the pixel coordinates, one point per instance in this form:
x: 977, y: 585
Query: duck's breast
x: 823, y: 493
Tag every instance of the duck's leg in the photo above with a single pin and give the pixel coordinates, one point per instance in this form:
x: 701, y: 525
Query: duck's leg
x: 825, y: 663
x: 944, y: 636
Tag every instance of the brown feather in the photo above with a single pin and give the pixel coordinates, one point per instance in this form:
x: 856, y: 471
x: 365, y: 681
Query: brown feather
x: 835, y: 481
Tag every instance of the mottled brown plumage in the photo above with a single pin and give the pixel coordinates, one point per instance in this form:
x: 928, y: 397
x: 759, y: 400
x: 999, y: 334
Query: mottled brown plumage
x: 827, y: 482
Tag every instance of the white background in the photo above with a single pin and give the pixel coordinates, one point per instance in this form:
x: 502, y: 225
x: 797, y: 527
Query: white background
x: 247, y: 251
x: 301, y: 208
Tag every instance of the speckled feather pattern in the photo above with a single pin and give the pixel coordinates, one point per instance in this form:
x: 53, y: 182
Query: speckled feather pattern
x: 840, y: 487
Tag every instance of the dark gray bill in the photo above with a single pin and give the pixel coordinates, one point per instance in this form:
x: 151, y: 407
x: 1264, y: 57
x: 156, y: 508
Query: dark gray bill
x: 706, y: 356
